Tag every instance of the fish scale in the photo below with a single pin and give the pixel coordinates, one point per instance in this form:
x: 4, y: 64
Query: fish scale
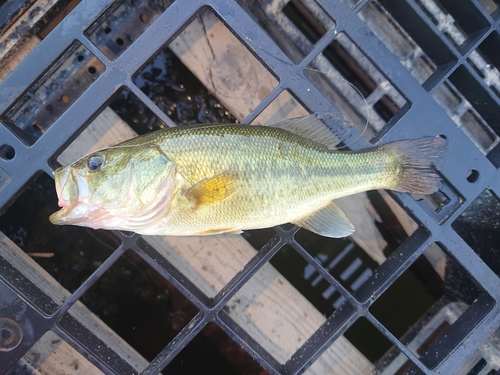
x: 227, y: 178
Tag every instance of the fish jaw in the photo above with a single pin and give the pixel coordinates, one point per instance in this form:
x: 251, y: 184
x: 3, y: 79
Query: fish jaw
x: 79, y: 214
x: 72, y: 192
x: 66, y: 187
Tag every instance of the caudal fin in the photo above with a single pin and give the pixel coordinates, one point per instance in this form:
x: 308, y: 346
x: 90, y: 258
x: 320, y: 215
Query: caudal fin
x: 417, y: 161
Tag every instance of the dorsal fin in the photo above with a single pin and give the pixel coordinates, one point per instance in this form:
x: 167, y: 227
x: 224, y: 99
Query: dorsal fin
x: 327, y: 129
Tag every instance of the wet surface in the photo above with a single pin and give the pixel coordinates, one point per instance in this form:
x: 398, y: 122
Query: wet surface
x: 176, y: 91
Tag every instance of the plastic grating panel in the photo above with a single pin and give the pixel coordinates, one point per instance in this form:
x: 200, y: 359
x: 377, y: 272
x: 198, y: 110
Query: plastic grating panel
x: 438, y: 79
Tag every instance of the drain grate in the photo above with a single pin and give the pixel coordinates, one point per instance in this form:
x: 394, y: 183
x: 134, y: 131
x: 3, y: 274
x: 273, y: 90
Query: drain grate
x: 414, y: 290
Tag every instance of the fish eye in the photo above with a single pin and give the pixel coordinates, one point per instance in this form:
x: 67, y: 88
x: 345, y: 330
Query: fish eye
x: 95, y: 162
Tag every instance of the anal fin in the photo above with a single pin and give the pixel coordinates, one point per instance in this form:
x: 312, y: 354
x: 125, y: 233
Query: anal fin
x: 328, y: 221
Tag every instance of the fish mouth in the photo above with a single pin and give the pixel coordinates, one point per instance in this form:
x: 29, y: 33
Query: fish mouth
x: 59, y: 217
x: 66, y: 187
x: 67, y: 193
x: 73, y: 195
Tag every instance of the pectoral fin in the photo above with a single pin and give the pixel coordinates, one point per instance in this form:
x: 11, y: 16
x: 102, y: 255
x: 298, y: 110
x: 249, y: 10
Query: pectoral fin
x: 329, y: 221
x: 213, y: 189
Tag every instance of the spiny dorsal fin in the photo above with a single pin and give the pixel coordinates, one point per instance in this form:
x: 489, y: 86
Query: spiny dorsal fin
x: 328, y: 129
x: 213, y: 189
x: 328, y: 221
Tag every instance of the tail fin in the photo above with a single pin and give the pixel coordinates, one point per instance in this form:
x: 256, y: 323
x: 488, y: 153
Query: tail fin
x: 417, y: 160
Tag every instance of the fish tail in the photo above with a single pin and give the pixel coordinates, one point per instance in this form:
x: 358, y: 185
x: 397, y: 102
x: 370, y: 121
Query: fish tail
x: 417, y: 160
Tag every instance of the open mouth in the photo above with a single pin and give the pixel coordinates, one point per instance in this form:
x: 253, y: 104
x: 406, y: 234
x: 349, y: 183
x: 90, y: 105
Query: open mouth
x: 58, y: 216
x: 67, y: 193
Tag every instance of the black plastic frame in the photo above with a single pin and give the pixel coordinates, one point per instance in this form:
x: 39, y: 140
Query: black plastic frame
x: 424, y: 117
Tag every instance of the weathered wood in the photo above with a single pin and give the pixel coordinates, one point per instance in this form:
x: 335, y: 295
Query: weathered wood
x: 19, y: 56
x: 226, y: 68
x: 14, y: 38
x: 268, y: 307
x: 48, y: 285
x: 52, y: 355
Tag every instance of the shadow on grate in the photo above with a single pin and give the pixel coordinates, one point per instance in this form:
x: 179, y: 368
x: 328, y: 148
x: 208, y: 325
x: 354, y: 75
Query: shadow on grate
x: 478, y: 226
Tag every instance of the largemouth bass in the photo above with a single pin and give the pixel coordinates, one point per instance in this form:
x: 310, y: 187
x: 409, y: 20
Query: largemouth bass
x: 211, y: 179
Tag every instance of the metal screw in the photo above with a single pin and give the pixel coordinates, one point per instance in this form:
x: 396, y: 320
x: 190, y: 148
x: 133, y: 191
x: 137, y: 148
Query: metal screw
x: 11, y: 334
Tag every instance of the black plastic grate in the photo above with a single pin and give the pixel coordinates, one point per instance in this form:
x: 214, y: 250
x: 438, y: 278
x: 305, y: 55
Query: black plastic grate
x: 426, y: 67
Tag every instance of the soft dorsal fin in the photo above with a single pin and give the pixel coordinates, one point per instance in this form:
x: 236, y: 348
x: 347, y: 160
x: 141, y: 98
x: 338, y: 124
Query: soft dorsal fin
x: 213, y: 189
x: 328, y: 221
x: 328, y: 129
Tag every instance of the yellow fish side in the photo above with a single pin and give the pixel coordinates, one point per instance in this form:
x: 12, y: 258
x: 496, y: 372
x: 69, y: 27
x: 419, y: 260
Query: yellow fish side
x: 229, y: 178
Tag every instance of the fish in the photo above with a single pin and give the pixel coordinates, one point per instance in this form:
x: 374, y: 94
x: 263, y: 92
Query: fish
x: 227, y: 178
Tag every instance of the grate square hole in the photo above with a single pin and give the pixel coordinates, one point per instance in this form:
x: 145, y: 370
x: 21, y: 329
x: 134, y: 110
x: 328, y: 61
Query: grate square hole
x: 341, y: 258
x: 459, y: 22
x: 295, y: 25
x: 478, y: 226
x: 374, y: 348
x: 212, y: 351
x: 223, y: 65
x: 346, y: 77
x: 49, y: 97
x: 435, y: 295
x: 209, y: 262
x: 69, y: 254
x: 269, y: 306
x: 122, y: 23
x: 178, y: 93
x: 139, y: 305
x: 423, y: 53
x: 468, y: 104
x: 491, y: 7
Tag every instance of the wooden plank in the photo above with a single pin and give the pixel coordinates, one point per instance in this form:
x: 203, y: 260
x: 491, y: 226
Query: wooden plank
x: 224, y: 66
x: 52, y: 355
x: 14, y: 38
x: 19, y: 56
x: 268, y: 307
